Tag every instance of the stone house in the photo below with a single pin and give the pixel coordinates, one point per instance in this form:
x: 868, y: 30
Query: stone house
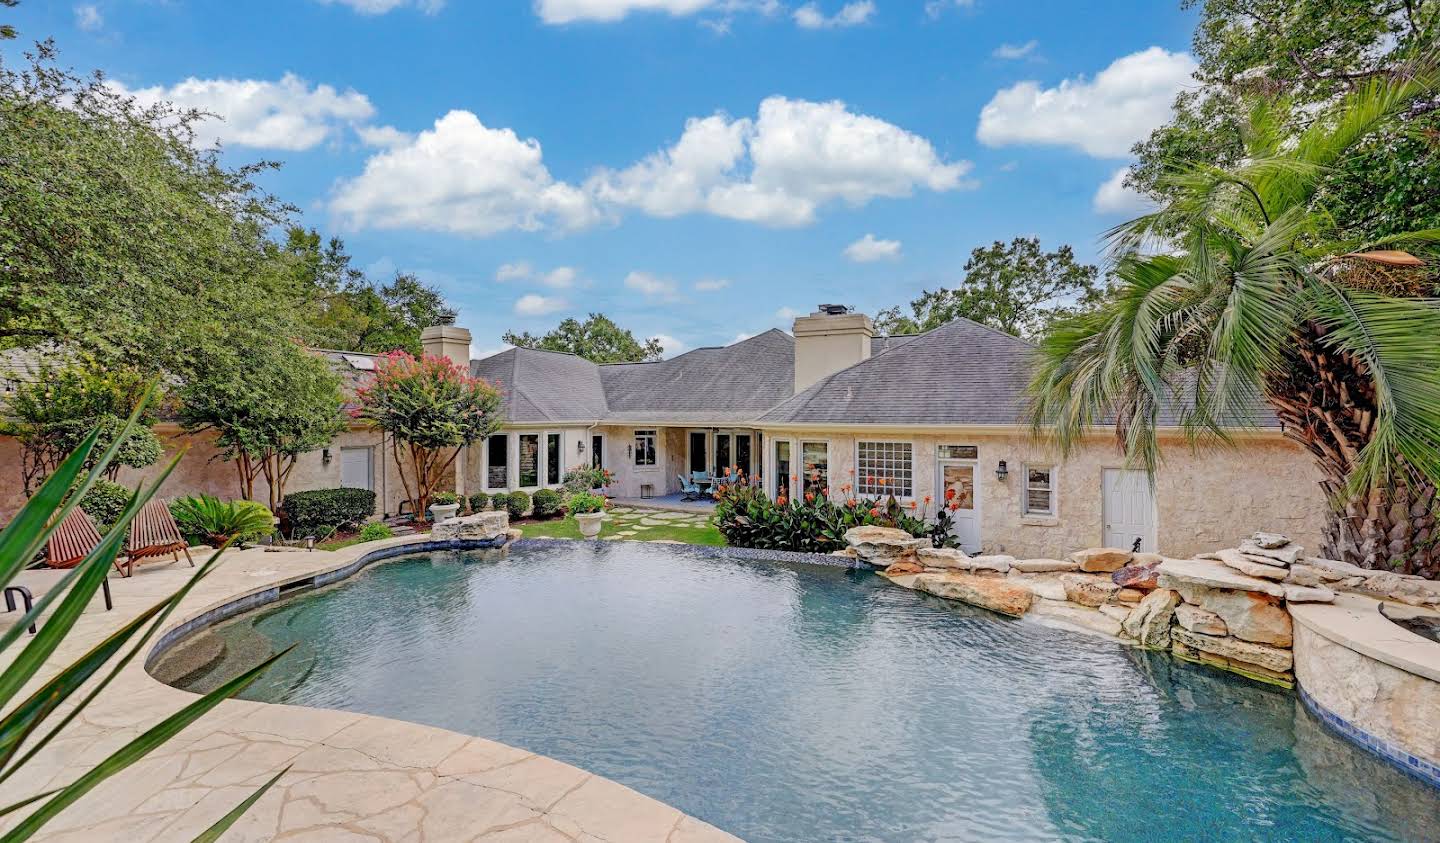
x: 831, y: 408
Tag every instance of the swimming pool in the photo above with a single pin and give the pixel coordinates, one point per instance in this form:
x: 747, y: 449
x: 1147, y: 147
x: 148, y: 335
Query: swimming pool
x: 812, y: 703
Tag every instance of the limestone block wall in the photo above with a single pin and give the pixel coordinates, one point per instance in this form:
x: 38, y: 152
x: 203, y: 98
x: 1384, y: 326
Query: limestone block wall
x: 1203, y: 498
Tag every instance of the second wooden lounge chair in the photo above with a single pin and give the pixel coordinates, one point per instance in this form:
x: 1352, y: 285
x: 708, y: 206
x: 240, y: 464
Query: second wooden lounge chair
x: 153, y: 533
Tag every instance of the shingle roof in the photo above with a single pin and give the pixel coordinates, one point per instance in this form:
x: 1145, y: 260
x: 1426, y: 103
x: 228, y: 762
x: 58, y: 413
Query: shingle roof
x: 959, y: 373
x: 733, y: 383
x: 544, y: 386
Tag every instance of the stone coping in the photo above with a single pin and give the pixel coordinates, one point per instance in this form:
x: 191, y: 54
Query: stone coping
x: 1354, y: 621
x: 352, y: 776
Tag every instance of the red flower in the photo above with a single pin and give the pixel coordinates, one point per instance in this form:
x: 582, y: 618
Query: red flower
x: 912, y: 504
x: 875, y: 512
x: 949, y: 494
x: 954, y: 507
x: 809, y: 497
x: 927, y: 500
x: 780, y: 501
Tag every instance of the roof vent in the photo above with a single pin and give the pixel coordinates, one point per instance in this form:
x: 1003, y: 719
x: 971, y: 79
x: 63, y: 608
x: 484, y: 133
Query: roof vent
x: 835, y: 309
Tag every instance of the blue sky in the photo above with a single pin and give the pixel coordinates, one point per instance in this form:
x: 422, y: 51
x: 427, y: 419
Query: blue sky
x: 697, y: 169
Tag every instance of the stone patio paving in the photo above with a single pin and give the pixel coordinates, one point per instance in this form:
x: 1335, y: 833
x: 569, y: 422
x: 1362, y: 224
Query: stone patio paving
x: 353, y: 777
x: 634, y: 524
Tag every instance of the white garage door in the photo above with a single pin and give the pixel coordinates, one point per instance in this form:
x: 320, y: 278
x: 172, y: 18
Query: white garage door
x: 355, y: 469
x: 1129, y: 510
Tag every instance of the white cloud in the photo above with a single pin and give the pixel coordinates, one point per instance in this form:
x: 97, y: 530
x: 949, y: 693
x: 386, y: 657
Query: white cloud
x: 868, y: 250
x: 781, y: 167
x: 461, y: 177
x: 1015, y: 51
x: 533, y: 304
x: 1103, y: 116
x: 560, y: 278
x: 650, y: 285
x: 935, y: 8
x: 606, y: 11
x: 380, y: 7
x: 1114, y: 197
x: 710, y: 285
x: 88, y: 17
x: 518, y: 271
x: 741, y: 338
x: 809, y: 16
x: 384, y: 137
x: 489, y: 352
x: 786, y: 314
x: 286, y: 114
x: 670, y: 345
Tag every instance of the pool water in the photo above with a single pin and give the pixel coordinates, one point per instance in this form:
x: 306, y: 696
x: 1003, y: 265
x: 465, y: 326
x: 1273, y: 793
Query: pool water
x: 812, y: 703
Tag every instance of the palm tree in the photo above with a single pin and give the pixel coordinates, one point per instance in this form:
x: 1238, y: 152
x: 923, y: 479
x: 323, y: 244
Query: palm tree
x: 1263, y: 305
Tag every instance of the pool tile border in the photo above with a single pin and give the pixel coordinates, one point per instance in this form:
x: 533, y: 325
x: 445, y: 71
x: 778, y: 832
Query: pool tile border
x: 1418, y: 768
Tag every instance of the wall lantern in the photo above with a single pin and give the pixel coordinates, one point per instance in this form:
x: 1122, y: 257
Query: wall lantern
x: 325, y: 456
x: 579, y: 446
x: 1002, y: 472
x: 629, y: 451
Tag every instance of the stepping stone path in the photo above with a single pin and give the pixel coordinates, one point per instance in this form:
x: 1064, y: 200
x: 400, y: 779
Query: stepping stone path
x: 625, y: 523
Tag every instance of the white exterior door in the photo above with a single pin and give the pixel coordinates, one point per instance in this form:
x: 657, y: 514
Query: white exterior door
x: 1129, y: 510
x: 959, y: 477
x: 356, y: 468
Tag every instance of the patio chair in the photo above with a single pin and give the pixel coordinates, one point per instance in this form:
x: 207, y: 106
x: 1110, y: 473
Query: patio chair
x: 72, y: 541
x: 689, y: 489
x: 154, y: 533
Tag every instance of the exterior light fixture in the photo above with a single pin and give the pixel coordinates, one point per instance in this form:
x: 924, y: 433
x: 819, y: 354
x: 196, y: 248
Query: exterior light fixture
x: 325, y: 456
x: 1002, y: 472
x: 579, y: 446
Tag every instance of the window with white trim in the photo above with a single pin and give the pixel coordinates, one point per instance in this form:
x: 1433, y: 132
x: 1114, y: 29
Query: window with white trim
x: 497, y: 455
x: 815, y: 467
x: 1039, y: 490
x: 884, y: 468
x: 645, y: 447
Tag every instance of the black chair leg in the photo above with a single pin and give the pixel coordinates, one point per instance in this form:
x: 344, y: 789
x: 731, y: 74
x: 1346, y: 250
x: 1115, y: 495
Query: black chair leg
x: 25, y: 596
x: 105, y: 586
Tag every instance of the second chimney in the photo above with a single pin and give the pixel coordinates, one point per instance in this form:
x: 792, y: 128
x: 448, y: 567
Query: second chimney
x: 828, y: 340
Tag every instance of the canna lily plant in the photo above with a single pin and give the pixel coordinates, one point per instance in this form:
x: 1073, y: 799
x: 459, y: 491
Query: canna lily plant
x: 1262, y: 304
x: 31, y: 721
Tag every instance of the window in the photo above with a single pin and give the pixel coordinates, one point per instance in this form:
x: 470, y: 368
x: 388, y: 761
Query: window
x: 645, y: 447
x: 815, y: 458
x: 958, y: 452
x: 1039, y: 490
x: 597, y: 451
x: 497, y: 451
x: 552, y: 458
x: 529, y: 459
x: 782, y: 468
x: 884, y: 468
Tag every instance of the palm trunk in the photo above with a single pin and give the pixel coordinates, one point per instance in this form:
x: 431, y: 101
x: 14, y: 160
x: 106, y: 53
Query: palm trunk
x: 1326, y: 402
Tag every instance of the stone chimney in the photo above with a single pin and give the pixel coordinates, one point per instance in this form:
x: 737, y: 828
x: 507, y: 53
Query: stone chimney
x: 447, y: 341
x: 828, y: 340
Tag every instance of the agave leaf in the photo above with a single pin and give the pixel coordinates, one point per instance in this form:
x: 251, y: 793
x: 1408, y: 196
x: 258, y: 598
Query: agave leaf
x: 165, y: 608
x: 137, y: 749
x: 223, y: 825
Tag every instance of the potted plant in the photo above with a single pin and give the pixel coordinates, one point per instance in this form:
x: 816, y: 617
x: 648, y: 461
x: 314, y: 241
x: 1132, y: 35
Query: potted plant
x: 588, y: 511
x: 444, y: 505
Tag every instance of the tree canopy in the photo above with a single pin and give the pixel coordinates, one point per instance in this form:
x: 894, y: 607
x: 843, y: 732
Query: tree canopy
x: 597, y: 338
x: 1015, y: 287
x: 1306, y: 55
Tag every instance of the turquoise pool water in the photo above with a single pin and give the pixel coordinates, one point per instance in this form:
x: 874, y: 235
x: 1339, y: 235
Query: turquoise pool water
x: 809, y: 703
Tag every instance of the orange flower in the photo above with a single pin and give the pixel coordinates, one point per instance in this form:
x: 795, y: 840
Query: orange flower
x: 882, y: 481
x: 949, y: 494
x: 927, y: 500
x: 954, y: 507
x: 913, y: 504
x: 780, y: 501
x: 874, y: 512
x: 850, y: 502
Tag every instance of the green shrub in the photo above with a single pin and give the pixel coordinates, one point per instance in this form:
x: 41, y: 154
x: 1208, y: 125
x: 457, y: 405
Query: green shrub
x: 104, y: 503
x: 584, y: 478
x: 547, y: 503
x: 215, y: 522
x: 584, y: 503
x: 444, y: 498
x: 517, y: 504
x: 375, y: 531
x: 479, y: 502
x: 321, y: 512
x: 747, y: 517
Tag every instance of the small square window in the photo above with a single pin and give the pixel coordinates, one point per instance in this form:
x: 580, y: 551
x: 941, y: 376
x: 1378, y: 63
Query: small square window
x: 884, y: 468
x: 1039, y: 490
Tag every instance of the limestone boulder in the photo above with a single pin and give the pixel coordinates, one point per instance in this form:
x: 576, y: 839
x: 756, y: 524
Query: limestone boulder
x: 1251, y: 616
x: 1308, y: 594
x: 1391, y: 586
x: 1071, y: 616
x: 1101, y: 560
x: 1270, y: 658
x: 1250, y: 566
x: 1149, y: 622
x: 1087, y: 590
x: 882, y: 545
x: 1041, y: 566
x: 1333, y: 570
x: 1144, y: 577
x: 1177, y: 573
x: 1269, y: 541
x: 1307, y: 576
x: 482, y: 527
x: 997, y: 594
x: 1286, y: 556
x: 1146, y: 558
x: 944, y: 558
x: 1046, y: 586
x: 904, y: 566
x: 1116, y: 612
x: 1200, y: 620
x: 998, y: 564
x: 1128, y: 595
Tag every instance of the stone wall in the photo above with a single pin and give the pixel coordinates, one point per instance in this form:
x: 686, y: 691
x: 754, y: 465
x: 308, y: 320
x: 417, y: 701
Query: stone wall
x: 1204, y: 498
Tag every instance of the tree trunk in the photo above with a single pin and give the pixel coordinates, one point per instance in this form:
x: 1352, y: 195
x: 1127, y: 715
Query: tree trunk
x: 1326, y: 402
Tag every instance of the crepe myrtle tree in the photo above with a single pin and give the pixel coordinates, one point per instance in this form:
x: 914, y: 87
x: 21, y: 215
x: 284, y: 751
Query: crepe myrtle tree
x: 432, y: 408
x: 1267, y: 300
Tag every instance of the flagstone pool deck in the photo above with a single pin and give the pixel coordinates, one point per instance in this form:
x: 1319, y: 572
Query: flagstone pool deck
x: 353, y: 777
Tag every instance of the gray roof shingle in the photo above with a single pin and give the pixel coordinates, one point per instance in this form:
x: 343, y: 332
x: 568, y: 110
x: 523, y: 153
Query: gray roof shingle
x: 736, y: 382
x: 544, y: 386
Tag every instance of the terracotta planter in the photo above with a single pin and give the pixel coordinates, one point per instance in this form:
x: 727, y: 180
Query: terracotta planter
x: 589, y: 523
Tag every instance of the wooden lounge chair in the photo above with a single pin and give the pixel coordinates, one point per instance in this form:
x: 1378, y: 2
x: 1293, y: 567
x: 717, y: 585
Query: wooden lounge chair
x: 153, y: 533
x: 72, y: 541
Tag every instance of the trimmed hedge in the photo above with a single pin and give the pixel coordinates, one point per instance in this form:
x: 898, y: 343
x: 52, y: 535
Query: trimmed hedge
x: 547, y: 503
x: 517, y: 504
x: 324, y: 510
x: 479, y: 502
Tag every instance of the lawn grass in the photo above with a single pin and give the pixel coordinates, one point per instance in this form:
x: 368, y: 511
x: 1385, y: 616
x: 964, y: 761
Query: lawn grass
x: 566, y: 528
